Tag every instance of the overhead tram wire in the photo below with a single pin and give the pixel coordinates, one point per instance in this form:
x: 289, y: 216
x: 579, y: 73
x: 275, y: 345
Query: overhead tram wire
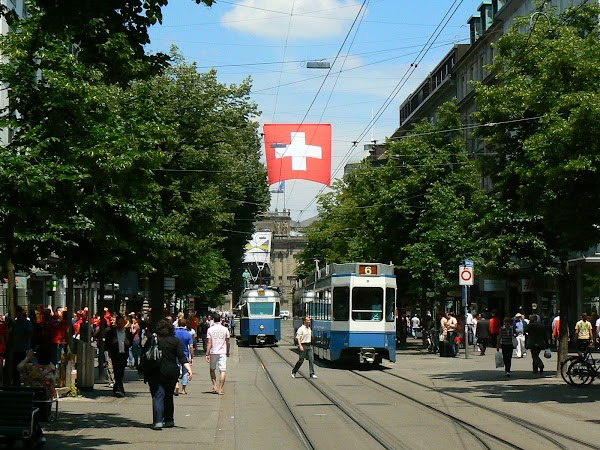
x: 279, y: 81
x: 441, y: 26
x: 337, y: 78
x: 328, y: 72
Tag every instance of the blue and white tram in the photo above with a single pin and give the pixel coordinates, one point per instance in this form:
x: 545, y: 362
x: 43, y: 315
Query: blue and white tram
x: 352, y: 307
x: 260, y: 323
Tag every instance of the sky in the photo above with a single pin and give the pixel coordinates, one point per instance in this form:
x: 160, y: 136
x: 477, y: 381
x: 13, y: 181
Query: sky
x: 379, y: 52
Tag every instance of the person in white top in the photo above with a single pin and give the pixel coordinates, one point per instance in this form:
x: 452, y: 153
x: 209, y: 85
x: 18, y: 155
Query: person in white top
x: 304, y: 338
x: 217, y: 352
x: 415, y: 323
x: 598, y: 331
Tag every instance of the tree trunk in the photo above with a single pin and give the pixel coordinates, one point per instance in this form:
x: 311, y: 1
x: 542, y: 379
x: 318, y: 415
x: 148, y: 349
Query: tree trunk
x: 157, y: 297
x: 12, y: 307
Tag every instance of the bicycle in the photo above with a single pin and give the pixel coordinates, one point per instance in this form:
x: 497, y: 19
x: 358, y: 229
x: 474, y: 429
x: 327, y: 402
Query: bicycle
x: 580, y: 370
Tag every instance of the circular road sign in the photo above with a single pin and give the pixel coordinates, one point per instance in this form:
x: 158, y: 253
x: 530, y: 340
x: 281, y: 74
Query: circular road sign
x: 465, y: 276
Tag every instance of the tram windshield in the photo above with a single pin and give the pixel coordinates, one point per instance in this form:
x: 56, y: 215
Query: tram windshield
x: 262, y: 308
x: 367, y: 303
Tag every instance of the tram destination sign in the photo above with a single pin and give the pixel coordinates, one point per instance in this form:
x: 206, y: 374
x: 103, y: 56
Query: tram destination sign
x: 367, y: 269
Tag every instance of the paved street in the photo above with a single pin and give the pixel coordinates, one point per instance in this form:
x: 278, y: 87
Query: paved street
x: 250, y: 414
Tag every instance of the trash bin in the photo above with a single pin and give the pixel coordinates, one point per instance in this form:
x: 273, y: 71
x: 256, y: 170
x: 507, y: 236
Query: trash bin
x: 85, y: 365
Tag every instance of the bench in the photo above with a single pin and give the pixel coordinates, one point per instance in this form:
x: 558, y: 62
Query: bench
x: 48, y: 408
x: 17, y: 416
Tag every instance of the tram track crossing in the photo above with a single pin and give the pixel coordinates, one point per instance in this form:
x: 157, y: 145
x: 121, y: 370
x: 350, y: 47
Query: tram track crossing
x: 539, y: 430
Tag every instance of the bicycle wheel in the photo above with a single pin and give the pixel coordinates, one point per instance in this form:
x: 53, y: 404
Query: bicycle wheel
x: 564, y: 366
x: 580, y: 373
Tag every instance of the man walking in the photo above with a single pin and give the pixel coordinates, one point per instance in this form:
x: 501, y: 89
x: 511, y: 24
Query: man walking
x: 304, y: 338
x: 519, y: 327
x: 118, y: 341
x: 187, y: 342
x: 483, y: 334
x: 217, y: 351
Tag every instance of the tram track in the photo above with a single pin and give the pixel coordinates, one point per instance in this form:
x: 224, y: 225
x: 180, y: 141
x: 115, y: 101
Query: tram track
x: 539, y: 430
x: 306, y: 441
x: 459, y: 422
x: 388, y: 443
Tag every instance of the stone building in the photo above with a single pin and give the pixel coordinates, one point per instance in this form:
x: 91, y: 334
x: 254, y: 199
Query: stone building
x: 288, y: 240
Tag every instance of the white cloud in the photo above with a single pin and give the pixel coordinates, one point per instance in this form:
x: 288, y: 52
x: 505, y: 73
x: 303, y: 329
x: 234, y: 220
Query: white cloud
x: 311, y: 19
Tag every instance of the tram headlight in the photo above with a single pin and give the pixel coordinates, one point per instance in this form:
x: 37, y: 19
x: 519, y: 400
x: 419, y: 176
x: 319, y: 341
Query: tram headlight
x: 262, y: 328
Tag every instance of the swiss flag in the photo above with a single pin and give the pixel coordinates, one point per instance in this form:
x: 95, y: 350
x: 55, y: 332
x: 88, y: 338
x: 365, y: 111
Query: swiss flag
x: 298, y: 151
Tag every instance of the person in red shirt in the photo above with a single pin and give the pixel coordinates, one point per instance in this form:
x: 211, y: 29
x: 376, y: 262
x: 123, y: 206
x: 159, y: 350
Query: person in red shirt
x: 494, y: 329
x: 58, y: 337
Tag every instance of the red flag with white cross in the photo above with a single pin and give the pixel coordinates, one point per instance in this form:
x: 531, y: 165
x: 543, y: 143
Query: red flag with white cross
x: 298, y: 151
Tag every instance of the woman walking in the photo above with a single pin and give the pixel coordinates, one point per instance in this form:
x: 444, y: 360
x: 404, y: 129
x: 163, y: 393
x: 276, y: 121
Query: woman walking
x: 505, y: 340
x: 162, y: 382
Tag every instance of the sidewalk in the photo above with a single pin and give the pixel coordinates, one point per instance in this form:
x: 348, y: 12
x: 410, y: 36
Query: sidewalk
x: 97, y: 419
x: 208, y: 421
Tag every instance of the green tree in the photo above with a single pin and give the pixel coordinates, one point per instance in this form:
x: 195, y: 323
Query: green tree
x: 210, y: 183
x: 419, y: 210
x: 545, y: 105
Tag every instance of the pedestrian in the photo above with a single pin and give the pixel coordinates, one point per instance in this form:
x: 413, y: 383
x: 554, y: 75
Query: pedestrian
x: 22, y: 330
x: 136, y: 346
x: 494, y: 328
x: 505, y: 341
x: 519, y: 327
x: 217, y: 351
x: 204, y: 325
x: 584, y: 333
x: 162, y: 382
x: 452, y: 327
x: 304, y: 338
x: 536, y: 341
x: 469, y: 328
x: 415, y: 324
x: 187, y: 341
x: 233, y: 325
x: 37, y: 370
x: 598, y: 331
x: 118, y: 341
x: 482, y: 333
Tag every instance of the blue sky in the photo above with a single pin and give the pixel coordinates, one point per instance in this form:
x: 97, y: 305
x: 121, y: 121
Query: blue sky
x: 371, y: 51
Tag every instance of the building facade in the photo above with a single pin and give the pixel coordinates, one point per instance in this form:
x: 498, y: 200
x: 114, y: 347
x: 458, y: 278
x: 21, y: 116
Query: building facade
x: 288, y: 240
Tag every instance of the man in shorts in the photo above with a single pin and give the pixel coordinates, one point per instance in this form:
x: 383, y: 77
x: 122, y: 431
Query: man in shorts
x: 217, y: 351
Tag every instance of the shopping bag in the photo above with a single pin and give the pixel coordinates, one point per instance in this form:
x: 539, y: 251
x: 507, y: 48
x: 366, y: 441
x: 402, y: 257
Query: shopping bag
x: 499, y: 359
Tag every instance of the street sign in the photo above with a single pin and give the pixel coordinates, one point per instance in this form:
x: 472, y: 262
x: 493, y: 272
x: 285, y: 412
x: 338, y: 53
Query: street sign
x: 465, y: 275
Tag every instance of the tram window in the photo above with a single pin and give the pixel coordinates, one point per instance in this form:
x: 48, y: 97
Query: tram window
x: 261, y: 309
x: 277, y: 308
x: 341, y: 303
x: 367, y: 303
x: 390, y: 304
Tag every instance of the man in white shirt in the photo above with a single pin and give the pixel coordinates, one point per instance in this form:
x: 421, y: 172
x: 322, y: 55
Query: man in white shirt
x: 415, y: 324
x: 217, y: 351
x: 304, y: 338
x: 598, y: 331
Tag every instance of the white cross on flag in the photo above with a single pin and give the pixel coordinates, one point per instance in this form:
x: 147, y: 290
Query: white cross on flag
x: 298, y: 151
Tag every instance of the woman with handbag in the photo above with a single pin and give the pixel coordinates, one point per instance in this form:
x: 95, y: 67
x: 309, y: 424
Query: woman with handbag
x: 536, y: 341
x: 505, y: 341
x: 162, y: 382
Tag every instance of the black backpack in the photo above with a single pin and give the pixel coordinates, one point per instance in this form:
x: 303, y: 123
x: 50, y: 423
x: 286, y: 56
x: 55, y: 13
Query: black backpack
x: 151, y: 356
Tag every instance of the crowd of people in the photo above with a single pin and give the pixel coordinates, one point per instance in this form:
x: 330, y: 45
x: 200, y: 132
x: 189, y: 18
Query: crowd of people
x: 513, y: 336
x: 43, y: 340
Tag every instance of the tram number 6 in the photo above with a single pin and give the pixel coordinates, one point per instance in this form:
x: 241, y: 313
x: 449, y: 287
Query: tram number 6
x: 367, y: 270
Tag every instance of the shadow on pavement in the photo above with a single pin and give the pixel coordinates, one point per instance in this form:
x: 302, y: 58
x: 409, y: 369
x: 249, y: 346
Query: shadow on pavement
x: 94, y: 420
x: 509, y: 390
